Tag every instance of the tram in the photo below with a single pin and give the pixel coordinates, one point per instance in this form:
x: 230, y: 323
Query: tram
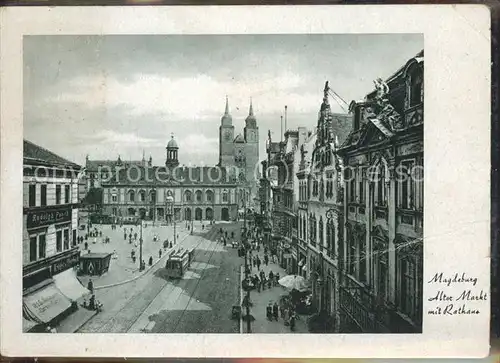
x: 178, y: 262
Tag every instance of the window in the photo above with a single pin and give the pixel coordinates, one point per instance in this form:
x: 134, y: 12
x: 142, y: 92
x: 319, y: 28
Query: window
x: 142, y: 196
x: 66, y: 194
x: 43, y: 195
x: 330, y: 238
x: 382, y: 274
x: 115, y: 211
x: 32, y: 195
x: 187, y: 196
x: 153, y: 196
x: 66, y: 239
x: 321, y: 231
x: 59, y: 241
x: 225, y: 196
x: 41, y: 246
x: 416, y: 87
x: 408, y: 287
x: 114, y: 198
x: 210, y: 196
x: 361, y: 189
x: 351, y: 258
x: 381, y: 186
x: 361, y: 258
x: 351, y: 185
x: 406, y: 184
x: 199, y: 196
x: 131, y: 196
x: 58, y: 194
x: 32, y: 248
x: 74, y: 238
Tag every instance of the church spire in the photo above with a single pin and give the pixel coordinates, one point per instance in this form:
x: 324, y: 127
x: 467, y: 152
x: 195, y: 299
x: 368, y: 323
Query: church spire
x: 226, y: 119
x: 226, y: 112
x: 250, y: 112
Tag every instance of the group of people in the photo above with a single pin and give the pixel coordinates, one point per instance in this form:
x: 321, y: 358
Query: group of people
x: 273, y: 311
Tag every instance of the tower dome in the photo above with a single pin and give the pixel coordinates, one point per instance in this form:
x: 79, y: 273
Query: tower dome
x: 172, y: 144
x: 226, y: 119
x: 172, y: 153
x: 251, y: 121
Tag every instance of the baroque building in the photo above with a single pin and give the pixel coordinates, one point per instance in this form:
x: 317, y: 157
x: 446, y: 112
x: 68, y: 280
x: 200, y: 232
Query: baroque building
x: 381, y: 256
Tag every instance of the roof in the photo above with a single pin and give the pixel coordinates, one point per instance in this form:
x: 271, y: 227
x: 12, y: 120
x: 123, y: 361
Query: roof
x: 34, y: 154
x: 172, y: 144
x: 341, y: 126
x: 239, y: 139
x: 93, y: 165
x: 94, y: 255
x: 161, y: 175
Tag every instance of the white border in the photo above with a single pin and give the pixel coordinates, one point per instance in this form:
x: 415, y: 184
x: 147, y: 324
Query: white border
x: 457, y: 157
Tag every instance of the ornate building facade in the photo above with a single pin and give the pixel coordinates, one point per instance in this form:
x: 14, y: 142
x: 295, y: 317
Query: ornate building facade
x: 381, y: 256
x: 320, y: 217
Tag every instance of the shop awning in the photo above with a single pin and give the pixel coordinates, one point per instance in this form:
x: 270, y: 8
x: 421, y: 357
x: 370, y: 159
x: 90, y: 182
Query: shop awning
x: 69, y: 285
x: 46, y: 303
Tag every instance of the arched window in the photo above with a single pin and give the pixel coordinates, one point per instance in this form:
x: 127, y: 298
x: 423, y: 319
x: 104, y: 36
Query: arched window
x: 131, y: 196
x: 381, y: 187
x: 187, y: 196
x: 142, y: 196
x: 210, y: 196
x: 225, y: 196
x: 152, y: 196
x: 199, y: 196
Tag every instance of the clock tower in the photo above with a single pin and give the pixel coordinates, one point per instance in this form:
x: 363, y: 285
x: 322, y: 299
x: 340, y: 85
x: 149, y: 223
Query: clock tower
x: 226, y: 136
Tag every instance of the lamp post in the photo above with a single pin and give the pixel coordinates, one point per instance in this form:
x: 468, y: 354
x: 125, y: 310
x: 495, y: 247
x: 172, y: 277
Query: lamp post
x: 247, y: 270
x: 141, y: 266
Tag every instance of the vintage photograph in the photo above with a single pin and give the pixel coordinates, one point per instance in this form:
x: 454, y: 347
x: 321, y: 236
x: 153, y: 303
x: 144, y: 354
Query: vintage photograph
x: 223, y: 183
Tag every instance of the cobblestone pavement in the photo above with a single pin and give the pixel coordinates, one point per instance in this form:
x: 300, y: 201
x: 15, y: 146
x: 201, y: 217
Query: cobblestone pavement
x: 200, y: 302
x: 260, y: 300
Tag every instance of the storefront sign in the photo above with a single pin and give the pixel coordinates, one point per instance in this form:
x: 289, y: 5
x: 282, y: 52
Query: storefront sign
x: 47, y: 217
x: 66, y: 262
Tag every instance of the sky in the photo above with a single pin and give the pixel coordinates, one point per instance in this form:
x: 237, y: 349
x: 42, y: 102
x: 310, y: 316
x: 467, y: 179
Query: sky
x: 105, y: 96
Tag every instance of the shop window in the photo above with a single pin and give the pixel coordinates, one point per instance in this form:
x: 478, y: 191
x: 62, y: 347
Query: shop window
x: 32, y: 195
x: 66, y: 239
x: 33, y: 248
x: 43, y: 195
x: 115, y: 211
x: 74, y: 238
x: 42, y: 246
x: 66, y: 194
x: 59, y: 241
x: 58, y: 194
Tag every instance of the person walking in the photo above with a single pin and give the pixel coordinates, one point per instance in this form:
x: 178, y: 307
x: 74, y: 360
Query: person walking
x: 269, y: 311
x: 159, y: 253
x: 258, y: 262
x: 266, y: 259
x: 275, y: 311
x: 276, y: 278
x: 90, y: 286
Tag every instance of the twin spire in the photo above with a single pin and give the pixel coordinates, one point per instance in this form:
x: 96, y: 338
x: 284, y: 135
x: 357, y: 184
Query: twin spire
x: 226, y: 112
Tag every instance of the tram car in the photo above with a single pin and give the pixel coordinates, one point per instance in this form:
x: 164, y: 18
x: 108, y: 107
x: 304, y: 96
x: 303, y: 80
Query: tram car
x: 178, y: 262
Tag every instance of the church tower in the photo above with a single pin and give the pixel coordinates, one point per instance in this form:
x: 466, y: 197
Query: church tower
x: 251, y: 132
x: 172, y: 154
x: 226, y: 137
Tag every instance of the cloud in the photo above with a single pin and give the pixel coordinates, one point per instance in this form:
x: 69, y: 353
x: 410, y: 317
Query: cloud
x: 198, y: 144
x: 199, y: 97
x: 124, y: 139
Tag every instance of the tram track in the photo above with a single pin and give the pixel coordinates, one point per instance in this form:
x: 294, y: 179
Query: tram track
x: 121, y: 319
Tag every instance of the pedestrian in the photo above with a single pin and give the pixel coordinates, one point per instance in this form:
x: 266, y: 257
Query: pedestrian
x: 269, y: 311
x: 125, y: 236
x: 135, y: 235
x: 258, y: 263
x: 292, y: 321
x: 159, y: 253
x: 266, y: 260
x: 258, y: 283
x: 282, y: 311
x: 150, y: 260
x: 86, y: 246
x: 254, y: 261
x: 276, y: 278
x: 130, y: 236
x: 271, y: 278
x: 275, y: 311
x: 90, y: 286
